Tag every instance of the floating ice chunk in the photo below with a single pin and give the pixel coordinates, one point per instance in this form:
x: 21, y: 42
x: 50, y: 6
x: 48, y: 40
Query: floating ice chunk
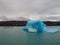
x: 34, y: 26
x: 38, y: 26
x: 52, y: 30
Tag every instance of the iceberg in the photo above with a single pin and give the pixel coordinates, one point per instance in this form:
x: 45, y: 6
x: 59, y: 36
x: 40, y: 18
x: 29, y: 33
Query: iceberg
x: 35, y: 26
x: 38, y: 26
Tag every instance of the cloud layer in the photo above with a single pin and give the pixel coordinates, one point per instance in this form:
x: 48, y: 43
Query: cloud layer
x: 28, y: 7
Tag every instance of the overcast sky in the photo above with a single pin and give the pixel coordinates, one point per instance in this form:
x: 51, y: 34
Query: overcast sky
x: 28, y: 7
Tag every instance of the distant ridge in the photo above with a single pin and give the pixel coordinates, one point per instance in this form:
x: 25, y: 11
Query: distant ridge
x: 23, y: 23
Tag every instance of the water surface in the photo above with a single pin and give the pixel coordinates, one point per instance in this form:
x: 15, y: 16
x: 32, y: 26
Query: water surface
x: 17, y: 36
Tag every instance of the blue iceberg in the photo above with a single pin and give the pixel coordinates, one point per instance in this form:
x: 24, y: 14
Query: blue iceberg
x: 35, y: 26
x: 38, y: 26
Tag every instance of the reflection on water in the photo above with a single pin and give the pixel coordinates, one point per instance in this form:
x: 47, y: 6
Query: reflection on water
x: 43, y: 39
x: 16, y: 36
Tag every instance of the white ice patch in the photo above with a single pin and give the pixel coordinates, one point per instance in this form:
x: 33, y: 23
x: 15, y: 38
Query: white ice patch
x: 32, y: 30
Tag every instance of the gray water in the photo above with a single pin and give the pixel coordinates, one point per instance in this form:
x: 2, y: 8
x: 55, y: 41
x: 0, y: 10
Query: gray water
x: 17, y: 36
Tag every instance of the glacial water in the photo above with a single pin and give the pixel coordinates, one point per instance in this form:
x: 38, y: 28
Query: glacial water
x: 17, y: 36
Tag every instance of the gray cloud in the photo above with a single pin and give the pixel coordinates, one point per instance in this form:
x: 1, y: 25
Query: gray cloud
x: 29, y: 6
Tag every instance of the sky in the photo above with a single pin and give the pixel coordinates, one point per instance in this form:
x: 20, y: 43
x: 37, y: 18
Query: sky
x: 16, y: 8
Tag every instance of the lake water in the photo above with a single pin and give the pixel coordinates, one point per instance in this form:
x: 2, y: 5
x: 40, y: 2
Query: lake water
x: 17, y: 36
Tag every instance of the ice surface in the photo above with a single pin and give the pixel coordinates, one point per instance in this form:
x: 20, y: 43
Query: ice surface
x: 34, y: 26
x: 38, y: 26
x: 52, y: 29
